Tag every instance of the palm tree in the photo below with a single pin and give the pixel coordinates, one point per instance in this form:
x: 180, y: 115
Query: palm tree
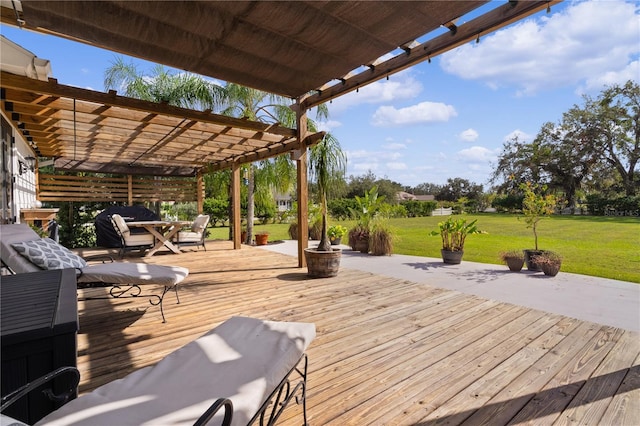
x: 184, y: 90
x: 327, y: 163
x: 271, y: 174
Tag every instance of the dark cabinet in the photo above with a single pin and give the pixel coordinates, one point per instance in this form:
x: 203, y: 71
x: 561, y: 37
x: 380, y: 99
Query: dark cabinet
x: 39, y: 324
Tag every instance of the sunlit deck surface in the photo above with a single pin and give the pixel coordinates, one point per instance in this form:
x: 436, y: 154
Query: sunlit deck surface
x: 387, y: 351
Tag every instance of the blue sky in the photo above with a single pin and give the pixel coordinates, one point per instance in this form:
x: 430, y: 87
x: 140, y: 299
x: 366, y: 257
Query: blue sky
x: 448, y: 118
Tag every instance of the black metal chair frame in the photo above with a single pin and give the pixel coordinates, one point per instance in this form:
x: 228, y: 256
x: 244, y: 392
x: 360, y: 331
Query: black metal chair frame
x: 275, y: 403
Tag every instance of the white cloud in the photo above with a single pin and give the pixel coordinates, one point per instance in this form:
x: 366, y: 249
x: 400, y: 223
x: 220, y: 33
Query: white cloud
x: 400, y: 86
x: 594, y: 42
x: 364, y: 167
x: 396, y: 166
x: 329, y: 125
x: 522, y: 136
x: 469, y: 135
x: 477, y: 154
x: 394, y: 146
x: 424, y: 112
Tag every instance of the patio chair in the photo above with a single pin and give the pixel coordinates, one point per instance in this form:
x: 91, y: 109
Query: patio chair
x: 128, y: 240
x: 23, y: 251
x: 195, y: 235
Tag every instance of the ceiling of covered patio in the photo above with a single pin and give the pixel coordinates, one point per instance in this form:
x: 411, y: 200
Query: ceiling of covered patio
x: 310, y: 51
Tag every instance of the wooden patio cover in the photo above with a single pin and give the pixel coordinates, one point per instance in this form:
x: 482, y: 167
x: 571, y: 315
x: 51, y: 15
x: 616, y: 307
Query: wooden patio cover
x: 310, y: 51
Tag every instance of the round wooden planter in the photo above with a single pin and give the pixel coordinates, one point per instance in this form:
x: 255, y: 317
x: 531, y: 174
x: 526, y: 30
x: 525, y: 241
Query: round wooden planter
x: 262, y: 239
x: 550, y: 269
x: 451, y: 257
x: 322, y: 264
x: 362, y: 245
x: 515, y: 264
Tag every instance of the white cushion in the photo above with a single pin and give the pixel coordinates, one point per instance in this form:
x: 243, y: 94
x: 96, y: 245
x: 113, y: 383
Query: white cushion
x: 143, y: 239
x: 48, y: 254
x: 10, y: 421
x: 188, y: 237
x: 120, y: 223
x: 242, y: 359
x: 200, y: 223
x: 132, y: 273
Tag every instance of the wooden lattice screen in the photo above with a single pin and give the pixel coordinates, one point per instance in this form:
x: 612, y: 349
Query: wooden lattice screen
x: 128, y: 189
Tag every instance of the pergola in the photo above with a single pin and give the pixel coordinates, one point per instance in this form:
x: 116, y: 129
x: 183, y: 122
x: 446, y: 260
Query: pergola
x: 310, y: 51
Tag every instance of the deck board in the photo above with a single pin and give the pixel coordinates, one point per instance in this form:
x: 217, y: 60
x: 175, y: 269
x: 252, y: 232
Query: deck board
x: 388, y: 351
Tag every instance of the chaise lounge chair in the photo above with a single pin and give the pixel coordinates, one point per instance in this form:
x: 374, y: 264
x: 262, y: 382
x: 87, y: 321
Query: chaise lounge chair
x: 23, y: 251
x: 243, y: 372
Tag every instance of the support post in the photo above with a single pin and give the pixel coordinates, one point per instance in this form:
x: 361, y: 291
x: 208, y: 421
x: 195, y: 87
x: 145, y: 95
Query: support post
x: 200, y: 192
x: 302, y: 187
x: 130, y: 190
x: 235, y: 205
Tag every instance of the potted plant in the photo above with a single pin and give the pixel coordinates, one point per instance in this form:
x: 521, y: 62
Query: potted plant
x: 454, y: 233
x: 262, y: 238
x: 366, y: 209
x: 381, y: 238
x: 549, y: 262
x: 335, y: 233
x: 326, y: 161
x: 514, y: 259
x: 535, y: 207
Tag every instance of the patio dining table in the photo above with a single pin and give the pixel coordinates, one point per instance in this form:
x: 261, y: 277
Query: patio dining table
x: 163, y: 230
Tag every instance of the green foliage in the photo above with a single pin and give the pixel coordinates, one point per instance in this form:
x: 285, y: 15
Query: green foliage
x: 265, y: 212
x: 622, y: 206
x: 508, y: 203
x: 180, y: 211
x: 340, y: 208
x: 536, y: 206
x: 367, y: 207
x: 393, y: 210
x: 217, y: 209
x: 454, y: 231
x: 416, y: 208
x: 336, y: 231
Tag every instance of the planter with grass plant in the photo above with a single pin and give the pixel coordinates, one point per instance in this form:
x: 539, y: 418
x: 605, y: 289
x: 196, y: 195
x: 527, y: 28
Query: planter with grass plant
x: 549, y: 262
x: 453, y: 233
x: 381, y: 238
x: 514, y: 259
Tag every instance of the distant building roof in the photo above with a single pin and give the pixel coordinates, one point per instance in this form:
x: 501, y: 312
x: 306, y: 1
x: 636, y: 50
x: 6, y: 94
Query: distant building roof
x: 405, y: 196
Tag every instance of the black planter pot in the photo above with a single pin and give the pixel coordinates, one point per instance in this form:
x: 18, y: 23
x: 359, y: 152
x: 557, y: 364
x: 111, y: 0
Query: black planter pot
x: 451, y: 257
x: 528, y: 259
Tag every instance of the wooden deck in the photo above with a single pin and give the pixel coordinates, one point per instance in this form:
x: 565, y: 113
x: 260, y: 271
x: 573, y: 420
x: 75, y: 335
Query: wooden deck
x: 387, y: 351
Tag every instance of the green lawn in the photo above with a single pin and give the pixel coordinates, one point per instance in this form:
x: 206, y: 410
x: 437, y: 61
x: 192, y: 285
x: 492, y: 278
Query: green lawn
x: 606, y: 247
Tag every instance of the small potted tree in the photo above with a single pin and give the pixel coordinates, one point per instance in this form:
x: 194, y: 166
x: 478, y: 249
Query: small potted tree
x: 326, y: 161
x: 454, y: 233
x: 535, y: 207
x: 514, y: 259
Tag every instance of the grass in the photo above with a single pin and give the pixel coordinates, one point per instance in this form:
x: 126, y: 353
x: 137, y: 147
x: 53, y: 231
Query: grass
x: 607, y: 247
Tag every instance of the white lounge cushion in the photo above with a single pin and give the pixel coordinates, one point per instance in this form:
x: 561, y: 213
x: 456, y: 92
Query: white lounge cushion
x: 120, y: 223
x: 10, y: 421
x: 132, y: 273
x: 242, y: 359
